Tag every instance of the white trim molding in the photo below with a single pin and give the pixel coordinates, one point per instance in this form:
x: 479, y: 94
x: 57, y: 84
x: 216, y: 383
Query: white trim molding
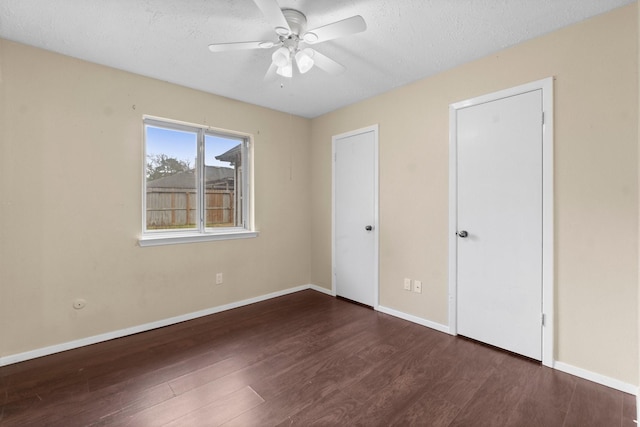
x: 173, y: 238
x: 414, y: 319
x: 548, y: 286
x: 597, y: 378
x: 45, y: 351
x: 70, y: 345
x: 322, y: 290
x: 560, y: 366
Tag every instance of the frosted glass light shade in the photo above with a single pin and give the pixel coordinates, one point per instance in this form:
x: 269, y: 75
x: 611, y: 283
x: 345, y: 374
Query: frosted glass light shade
x: 286, y: 71
x: 304, y: 60
x: 281, y: 57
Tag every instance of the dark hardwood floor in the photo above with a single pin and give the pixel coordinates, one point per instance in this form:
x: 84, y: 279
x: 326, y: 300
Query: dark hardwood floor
x: 302, y: 359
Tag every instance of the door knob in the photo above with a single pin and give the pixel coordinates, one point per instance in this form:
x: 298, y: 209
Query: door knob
x: 463, y: 234
x: 368, y: 228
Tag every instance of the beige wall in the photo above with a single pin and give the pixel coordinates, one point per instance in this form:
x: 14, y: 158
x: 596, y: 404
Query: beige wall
x: 70, y: 193
x: 70, y: 196
x: 595, y: 65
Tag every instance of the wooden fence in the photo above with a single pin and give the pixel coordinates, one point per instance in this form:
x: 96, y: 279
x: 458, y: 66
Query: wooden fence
x: 176, y: 208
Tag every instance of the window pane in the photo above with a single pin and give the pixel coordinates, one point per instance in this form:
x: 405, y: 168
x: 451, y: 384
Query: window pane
x: 223, y: 189
x: 171, y: 179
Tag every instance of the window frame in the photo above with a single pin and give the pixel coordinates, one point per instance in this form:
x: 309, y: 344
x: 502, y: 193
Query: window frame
x: 201, y: 233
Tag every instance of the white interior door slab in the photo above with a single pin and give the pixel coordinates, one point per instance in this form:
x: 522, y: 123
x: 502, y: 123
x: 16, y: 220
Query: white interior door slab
x: 499, y: 222
x: 355, y: 254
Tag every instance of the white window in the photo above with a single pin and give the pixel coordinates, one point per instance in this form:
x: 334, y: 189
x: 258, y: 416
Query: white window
x: 196, y: 184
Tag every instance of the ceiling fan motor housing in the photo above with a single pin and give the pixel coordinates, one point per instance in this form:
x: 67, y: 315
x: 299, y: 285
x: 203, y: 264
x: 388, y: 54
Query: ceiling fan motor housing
x: 296, y: 20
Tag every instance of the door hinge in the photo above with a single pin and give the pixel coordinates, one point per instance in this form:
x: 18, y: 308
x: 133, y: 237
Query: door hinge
x: 543, y: 319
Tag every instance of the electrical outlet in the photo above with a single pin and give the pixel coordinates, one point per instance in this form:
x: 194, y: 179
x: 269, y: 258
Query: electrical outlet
x: 407, y: 284
x: 417, y: 286
x: 218, y: 278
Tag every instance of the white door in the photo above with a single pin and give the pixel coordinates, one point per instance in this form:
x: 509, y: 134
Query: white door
x: 355, y: 216
x: 499, y: 223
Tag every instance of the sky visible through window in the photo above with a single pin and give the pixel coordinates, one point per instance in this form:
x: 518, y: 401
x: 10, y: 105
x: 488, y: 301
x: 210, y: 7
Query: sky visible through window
x: 182, y: 145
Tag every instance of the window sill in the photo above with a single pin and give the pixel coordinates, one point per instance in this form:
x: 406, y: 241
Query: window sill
x: 161, y: 239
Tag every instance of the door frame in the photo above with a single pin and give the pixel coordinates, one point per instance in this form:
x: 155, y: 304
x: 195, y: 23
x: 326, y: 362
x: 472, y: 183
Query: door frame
x: 376, y: 200
x: 548, y: 286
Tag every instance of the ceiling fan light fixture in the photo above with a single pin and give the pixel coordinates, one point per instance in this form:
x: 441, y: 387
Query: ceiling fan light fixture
x: 281, y: 57
x: 291, y: 27
x: 286, y: 71
x: 310, y: 37
x: 304, y: 60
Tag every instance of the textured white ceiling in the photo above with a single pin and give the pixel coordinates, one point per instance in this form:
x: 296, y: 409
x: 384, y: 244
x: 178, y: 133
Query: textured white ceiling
x: 406, y: 40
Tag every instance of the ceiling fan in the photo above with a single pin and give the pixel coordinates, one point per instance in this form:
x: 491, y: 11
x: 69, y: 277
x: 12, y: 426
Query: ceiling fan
x: 290, y: 26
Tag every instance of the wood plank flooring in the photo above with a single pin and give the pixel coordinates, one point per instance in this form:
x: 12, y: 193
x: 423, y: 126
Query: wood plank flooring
x: 302, y: 359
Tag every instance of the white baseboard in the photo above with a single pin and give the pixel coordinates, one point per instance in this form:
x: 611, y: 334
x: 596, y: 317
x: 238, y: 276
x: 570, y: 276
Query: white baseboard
x: 323, y: 290
x: 45, y: 351
x: 569, y: 369
x: 596, y: 378
x: 414, y: 319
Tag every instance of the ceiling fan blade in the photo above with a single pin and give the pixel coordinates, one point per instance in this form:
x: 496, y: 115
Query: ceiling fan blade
x: 226, y: 47
x: 271, y: 74
x: 327, y: 64
x: 273, y: 13
x: 352, y: 25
